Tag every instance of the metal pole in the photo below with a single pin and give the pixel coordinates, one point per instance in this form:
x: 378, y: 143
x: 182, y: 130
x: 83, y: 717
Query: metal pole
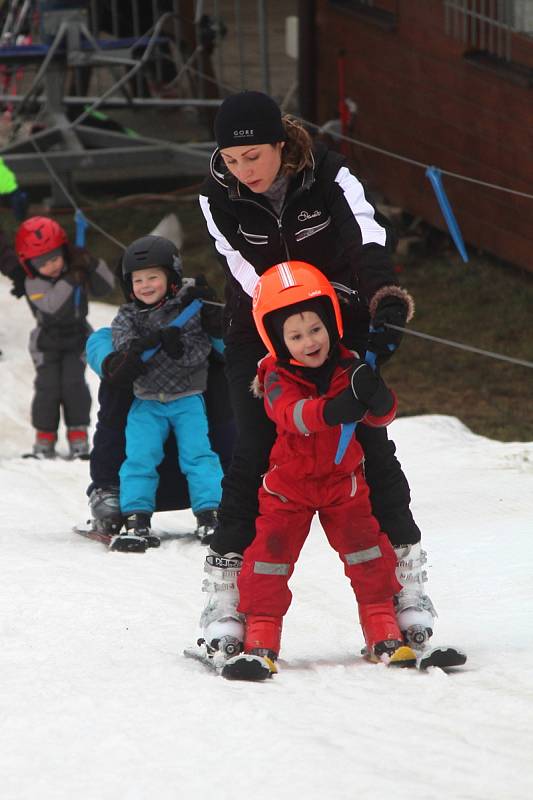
x: 263, y: 44
x: 240, y: 43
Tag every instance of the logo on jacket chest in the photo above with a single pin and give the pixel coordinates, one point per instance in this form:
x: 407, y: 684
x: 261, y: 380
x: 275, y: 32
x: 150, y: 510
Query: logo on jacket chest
x: 303, y: 216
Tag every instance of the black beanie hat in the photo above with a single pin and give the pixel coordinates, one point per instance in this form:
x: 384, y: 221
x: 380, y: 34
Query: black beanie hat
x: 248, y: 118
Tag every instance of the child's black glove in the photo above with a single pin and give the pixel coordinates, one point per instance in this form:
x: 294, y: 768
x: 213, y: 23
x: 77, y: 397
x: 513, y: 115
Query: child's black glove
x: 370, y: 389
x: 121, y: 369
x: 345, y: 407
x: 143, y: 343
x: 18, y: 276
x: 200, y: 291
x: 171, y: 342
x: 391, y: 310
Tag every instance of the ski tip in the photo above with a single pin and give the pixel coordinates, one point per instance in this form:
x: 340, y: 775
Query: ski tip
x: 247, y: 667
x: 443, y: 658
x: 402, y: 657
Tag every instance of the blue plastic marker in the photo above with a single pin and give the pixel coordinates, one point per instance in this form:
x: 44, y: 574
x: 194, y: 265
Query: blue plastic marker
x: 435, y: 176
x: 81, y: 227
x: 178, y: 322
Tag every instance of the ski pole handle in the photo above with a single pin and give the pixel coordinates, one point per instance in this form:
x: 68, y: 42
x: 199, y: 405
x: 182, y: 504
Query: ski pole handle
x: 177, y: 322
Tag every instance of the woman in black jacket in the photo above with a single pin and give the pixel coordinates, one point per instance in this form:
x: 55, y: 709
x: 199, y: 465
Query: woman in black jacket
x: 272, y: 197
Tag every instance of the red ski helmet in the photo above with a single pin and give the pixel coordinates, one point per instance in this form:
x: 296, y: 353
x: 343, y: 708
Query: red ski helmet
x: 36, y: 237
x: 287, y: 284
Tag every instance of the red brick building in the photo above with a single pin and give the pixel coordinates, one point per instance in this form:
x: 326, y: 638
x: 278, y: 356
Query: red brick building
x: 447, y: 83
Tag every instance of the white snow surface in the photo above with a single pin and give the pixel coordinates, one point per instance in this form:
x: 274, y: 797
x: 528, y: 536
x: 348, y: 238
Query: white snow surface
x: 97, y: 701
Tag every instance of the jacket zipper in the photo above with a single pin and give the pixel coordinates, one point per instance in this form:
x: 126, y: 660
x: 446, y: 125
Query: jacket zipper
x: 279, y: 220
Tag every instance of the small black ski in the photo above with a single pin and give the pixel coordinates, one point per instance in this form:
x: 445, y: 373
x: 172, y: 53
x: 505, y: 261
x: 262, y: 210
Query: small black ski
x: 242, y: 667
x: 82, y: 457
x: 107, y: 538
x: 443, y: 657
x: 128, y: 542
x: 247, y: 667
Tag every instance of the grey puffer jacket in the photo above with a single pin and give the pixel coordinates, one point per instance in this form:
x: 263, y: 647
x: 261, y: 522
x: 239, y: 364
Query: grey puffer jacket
x: 167, y: 379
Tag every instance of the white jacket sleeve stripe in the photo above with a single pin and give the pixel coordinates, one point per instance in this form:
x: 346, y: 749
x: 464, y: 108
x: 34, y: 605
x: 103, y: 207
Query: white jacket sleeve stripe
x: 242, y: 270
x: 371, y: 231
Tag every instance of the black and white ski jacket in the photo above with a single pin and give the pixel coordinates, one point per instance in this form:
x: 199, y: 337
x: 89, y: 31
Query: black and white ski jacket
x: 326, y: 220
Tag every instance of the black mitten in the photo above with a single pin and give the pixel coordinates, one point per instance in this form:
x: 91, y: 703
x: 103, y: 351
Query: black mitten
x: 212, y: 320
x: 370, y: 389
x: 18, y: 276
x: 383, y: 341
x: 171, y: 342
x: 121, y: 369
x: 345, y: 407
x: 145, y: 342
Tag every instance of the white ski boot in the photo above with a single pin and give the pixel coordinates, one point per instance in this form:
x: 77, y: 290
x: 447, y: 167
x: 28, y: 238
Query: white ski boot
x: 414, y: 610
x: 221, y: 624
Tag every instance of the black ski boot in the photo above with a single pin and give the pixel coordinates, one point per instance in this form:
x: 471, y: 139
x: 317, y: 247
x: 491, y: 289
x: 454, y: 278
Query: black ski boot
x: 104, y: 503
x: 206, y: 523
x: 137, y: 537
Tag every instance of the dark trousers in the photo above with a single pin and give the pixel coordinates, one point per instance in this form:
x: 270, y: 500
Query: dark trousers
x: 59, y: 383
x: 109, y: 443
x: 389, y: 490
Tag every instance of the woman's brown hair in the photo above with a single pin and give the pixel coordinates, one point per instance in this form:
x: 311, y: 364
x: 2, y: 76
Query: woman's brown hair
x: 297, y: 153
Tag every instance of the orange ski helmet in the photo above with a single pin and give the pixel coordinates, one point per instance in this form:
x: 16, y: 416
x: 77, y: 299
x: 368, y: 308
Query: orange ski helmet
x: 287, y: 284
x: 36, y: 237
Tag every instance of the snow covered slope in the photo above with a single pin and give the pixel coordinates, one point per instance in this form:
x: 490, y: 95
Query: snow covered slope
x: 98, y: 703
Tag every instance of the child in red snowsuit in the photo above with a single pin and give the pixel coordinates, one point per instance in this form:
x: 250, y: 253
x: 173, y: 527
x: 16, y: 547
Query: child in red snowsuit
x: 311, y: 384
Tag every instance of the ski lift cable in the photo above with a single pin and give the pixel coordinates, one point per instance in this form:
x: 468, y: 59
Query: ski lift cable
x: 72, y: 201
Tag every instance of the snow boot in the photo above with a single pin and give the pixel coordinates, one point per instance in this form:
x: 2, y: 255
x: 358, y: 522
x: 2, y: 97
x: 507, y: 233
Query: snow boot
x: 137, y: 536
x: 206, y: 523
x: 414, y: 610
x: 104, y: 503
x: 263, y: 636
x: 382, y: 634
x: 221, y: 624
x: 45, y: 444
x: 78, y: 443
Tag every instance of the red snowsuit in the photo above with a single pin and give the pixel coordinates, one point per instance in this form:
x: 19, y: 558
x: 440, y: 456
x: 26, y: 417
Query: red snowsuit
x: 303, y: 478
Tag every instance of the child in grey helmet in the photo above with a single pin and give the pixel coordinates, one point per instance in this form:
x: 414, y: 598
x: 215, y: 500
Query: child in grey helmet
x: 168, y: 390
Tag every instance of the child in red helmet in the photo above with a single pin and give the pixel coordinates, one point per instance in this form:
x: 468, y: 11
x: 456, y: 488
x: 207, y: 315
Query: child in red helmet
x: 58, y: 277
x: 311, y: 384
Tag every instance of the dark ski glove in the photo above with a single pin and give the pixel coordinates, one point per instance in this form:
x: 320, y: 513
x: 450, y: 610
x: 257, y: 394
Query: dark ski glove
x: 171, y: 342
x: 384, y: 341
x: 18, y: 276
x: 345, y: 407
x: 370, y: 389
x: 121, y: 369
x: 200, y: 291
x: 147, y: 342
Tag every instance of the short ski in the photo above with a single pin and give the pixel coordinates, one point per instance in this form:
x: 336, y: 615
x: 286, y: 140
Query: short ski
x: 404, y: 656
x: 106, y: 538
x: 443, y: 657
x: 122, y: 543
x: 247, y: 667
x: 81, y: 457
x: 242, y: 667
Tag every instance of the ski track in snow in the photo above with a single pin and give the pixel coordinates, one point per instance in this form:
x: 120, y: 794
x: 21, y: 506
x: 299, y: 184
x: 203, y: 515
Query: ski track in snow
x: 98, y: 703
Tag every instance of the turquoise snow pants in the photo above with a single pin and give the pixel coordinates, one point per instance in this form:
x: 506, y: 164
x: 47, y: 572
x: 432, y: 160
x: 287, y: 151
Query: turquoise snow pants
x: 149, y: 423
